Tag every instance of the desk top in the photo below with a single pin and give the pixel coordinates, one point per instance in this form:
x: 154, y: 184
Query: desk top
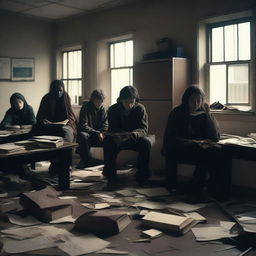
x: 237, y: 141
x: 67, y: 145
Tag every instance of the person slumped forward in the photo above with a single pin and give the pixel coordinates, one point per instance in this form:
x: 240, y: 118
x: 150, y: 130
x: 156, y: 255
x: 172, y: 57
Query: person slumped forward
x: 92, y: 125
x: 128, y: 128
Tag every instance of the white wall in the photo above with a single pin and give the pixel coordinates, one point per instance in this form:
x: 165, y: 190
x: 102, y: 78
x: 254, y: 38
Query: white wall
x: 26, y: 37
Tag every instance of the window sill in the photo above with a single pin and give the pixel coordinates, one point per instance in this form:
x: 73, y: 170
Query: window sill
x: 232, y: 112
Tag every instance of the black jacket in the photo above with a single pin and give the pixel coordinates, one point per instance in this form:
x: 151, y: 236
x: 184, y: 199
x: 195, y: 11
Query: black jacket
x: 181, y: 128
x: 135, y: 120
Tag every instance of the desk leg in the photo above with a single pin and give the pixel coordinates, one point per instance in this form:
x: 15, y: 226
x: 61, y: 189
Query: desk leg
x: 65, y: 161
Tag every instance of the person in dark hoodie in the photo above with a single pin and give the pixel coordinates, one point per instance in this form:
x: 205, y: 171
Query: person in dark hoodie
x: 128, y: 129
x: 20, y: 113
x: 92, y: 125
x: 190, y: 137
x: 55, y: 106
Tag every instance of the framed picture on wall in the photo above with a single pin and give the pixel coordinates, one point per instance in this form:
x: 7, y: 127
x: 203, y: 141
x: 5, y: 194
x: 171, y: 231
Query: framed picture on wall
x: 23, y: 69
x: 5, y: 68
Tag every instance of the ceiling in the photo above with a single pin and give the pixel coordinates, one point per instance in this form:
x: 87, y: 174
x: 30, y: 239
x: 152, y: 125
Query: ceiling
x: 57, y: 9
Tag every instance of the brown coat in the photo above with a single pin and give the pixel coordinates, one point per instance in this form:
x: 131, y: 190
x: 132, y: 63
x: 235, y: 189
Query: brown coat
x: 47, y: 110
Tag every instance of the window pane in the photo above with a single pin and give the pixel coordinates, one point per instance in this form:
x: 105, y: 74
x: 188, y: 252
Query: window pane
x: 64, y: 65
x: 244, y: 41
x: 218, y: 83
x: 238, y: 86
x: 119, y: 55
x: 119, y: 79
x: 230, y: 42
x: 217, y: 44
x: 79, y: 64
x: 74, y: 91
x: 129, y: 53
x: 112, y: 64
x: 74, y: 64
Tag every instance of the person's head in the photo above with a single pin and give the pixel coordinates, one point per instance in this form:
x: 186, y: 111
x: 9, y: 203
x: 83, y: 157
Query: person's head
x: 97, y: 98
x: 17, y: 101
x: 128, y: 96
x: 57, y: 88
x: 193, y: 98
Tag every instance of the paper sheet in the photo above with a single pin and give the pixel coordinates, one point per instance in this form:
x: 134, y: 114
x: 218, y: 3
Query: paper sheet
x: 40, y: 242
x: 23, y: 221
x: 152, y: 192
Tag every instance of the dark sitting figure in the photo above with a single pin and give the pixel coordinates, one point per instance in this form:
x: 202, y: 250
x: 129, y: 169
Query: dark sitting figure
x: 128, y: 128
x: 20, y: 113
x: 55, y: 106
x: 92, y: 125
x: 190, y: 137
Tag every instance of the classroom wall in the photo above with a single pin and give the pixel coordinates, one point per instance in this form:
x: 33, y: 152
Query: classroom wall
x: 148, y: 21
x: 26, y: 37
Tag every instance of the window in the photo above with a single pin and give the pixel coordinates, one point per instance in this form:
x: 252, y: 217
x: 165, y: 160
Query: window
x: 72, y: 74
x: 121, y: 66
x: 229, y: 63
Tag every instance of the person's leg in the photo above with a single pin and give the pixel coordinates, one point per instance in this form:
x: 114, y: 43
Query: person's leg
x: 171, y: 172
x: 187, y: 154
x: 110, y: 153
x: 143, y: 146
x: 83, y: 139
x: 68, y: 133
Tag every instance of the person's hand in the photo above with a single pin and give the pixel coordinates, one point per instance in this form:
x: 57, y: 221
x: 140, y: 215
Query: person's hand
x: 206, y: 107
x: 206, y: 143
x: 45, y: 121
x: 101, y: 137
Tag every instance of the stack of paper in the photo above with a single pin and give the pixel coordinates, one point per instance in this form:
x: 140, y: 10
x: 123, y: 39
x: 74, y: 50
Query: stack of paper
x: 48, y: 141
x: 10, y: 148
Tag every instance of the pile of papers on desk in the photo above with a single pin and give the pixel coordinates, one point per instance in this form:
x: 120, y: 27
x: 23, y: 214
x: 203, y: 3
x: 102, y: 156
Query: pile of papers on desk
x: 10, y: 148
x: 48, y: 141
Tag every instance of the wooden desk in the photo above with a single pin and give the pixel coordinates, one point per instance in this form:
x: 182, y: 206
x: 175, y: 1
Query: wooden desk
x: 62, y: 155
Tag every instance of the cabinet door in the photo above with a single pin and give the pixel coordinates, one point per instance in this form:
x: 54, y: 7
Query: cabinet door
x: 153, y: 80
x: 158, y: 112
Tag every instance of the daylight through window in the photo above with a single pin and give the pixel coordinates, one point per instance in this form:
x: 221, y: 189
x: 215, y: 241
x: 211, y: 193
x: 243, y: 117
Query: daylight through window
x: 72, y: 74
x: 121, y: 66
x: 229, y: 62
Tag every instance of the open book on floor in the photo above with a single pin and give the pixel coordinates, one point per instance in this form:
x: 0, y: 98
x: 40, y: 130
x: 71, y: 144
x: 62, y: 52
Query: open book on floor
x: 170, y: 222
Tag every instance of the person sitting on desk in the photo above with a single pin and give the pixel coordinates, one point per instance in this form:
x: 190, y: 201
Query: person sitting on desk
x: 19, y: 114
x: 190, y: 137
x: 92, y: 125
x: 55, y: 107
x: 128, y: 128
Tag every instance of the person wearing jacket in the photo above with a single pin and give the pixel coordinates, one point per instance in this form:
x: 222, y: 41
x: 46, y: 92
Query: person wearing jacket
x: 20, y: 113
x: 128, y: 129
x: 191, y: 136
x: 55, y: 106
x: 92, y: 125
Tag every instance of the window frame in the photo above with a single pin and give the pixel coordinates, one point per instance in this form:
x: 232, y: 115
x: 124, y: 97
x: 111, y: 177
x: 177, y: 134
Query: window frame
x: 210, y: 63
x: 131, y: 67
x: 67, y: 80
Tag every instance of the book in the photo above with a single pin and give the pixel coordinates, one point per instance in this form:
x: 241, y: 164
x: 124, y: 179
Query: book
x: 45, y: 204
x: 176, y: 224
x: 48, y: 141
x: 10, y: 148
x: 103, y: 224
